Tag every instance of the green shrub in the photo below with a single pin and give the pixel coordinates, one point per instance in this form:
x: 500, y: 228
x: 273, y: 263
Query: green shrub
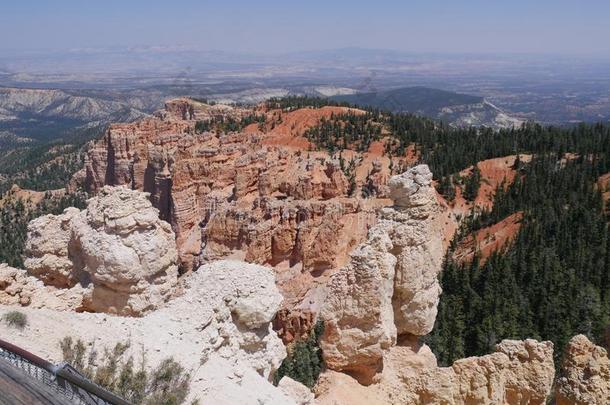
x: 16, y: 319
x: 167, y: 384
x: 304, y: 361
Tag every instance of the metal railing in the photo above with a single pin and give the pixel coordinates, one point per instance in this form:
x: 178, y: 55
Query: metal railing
x: 62, y: 378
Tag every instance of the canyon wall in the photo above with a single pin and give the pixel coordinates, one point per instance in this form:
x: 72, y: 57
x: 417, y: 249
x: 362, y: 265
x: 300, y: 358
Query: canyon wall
x: 260, y: 195
x: 266, y: 196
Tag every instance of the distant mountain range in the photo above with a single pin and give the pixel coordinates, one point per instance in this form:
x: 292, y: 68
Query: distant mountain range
x: 41, y: 114
x: 30, y: 115
x: 454, y: 108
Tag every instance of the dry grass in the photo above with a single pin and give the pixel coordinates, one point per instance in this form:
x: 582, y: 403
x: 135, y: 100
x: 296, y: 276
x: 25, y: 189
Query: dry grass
x: 16, y: 319
x: 167, y: 384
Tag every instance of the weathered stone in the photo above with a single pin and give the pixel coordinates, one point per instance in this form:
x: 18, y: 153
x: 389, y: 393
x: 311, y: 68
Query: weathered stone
x: 128, y: 253
x: 359, y: 322
x: 46, y: 249
x: 229, y: 360
x: 297, y: 391
x: 519, y: 372
x: 389, y: 286
x: 117, y: 249
x: 585, y: 374
x: 18, y: 288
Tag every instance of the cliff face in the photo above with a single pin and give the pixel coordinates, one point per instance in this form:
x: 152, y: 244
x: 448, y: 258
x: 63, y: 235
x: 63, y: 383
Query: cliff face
x: 226, y: 193
x: 390, y: 286
x: 386, y: 297
x: 257, y: 195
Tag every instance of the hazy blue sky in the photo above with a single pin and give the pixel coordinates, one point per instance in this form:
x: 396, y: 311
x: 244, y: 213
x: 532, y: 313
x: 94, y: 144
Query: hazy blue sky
x: 554, y: 26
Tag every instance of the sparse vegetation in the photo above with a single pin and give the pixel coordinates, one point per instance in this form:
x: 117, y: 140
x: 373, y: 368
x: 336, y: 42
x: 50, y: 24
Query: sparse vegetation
x: 168, y: 383
x: 304, y: 361
x: 228, y: 124
x: 16, y: 319
x: 296, y: 102
x: 446, y: 188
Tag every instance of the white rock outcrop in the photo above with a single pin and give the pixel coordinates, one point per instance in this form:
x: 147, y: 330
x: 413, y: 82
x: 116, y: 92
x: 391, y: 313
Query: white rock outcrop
x: 519, y: 372
x: 297, y: 391
x: 128, y: 253
x: 237, y: 303
x: 358, y: 314
x: 118, y: 249
x: 46, y: 250
x: 389, y: 286
x: 20, y: 289
x: 219, y: 329
x: 415, y: 228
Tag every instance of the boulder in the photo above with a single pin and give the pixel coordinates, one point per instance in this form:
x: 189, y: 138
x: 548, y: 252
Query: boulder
x: 17, y: 288
x: 413, y: 190
x: 46, y: 249
x: 296, y: 391
x: 125, y: 250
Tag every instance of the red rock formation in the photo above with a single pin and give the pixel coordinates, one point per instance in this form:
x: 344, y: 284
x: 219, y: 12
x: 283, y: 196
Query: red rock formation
x: 493, y: 173
x: 490, y: 239
x: 293, y: 325
x: 260, y: 194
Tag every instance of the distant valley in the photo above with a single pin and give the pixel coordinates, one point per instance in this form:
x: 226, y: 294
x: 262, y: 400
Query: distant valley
x: 43, y: 115
x: 453, y: 108
x: 30, y: 116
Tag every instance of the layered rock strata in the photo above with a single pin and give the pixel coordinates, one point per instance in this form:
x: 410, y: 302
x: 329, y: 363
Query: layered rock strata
x: 262, y: 195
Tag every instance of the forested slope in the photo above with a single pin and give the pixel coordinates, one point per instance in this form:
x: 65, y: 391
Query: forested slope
x: 553, y: 281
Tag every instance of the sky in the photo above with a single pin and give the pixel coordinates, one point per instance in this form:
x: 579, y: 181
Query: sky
x: 482, y: 26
